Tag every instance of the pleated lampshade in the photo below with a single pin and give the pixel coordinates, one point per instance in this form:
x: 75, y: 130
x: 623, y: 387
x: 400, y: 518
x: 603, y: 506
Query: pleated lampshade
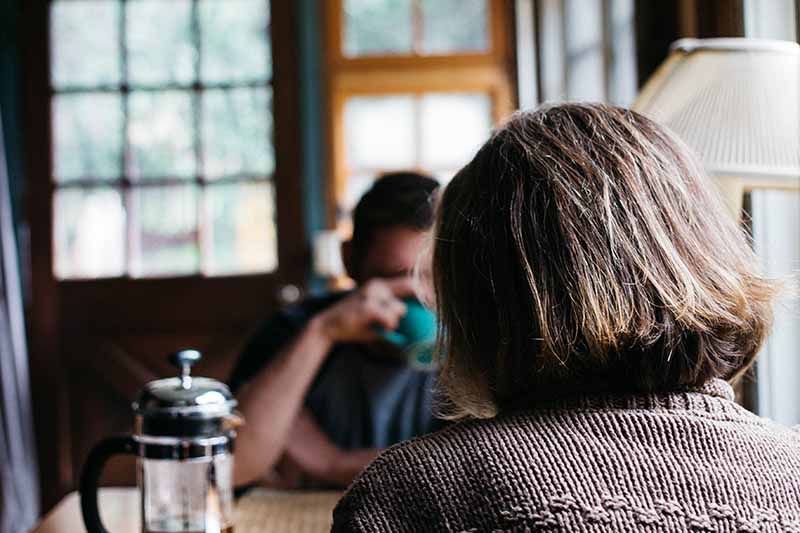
x: 736, y: 102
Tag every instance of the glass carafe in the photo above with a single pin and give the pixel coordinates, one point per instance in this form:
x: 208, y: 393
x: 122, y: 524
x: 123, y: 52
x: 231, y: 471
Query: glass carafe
x: 191, y: 495
x: 185, y: 429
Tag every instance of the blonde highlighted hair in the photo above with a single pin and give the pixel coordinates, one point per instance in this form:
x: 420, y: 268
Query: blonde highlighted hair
x: 583, y: 249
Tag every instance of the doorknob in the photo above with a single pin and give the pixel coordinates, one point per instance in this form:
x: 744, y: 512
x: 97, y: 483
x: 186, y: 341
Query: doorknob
x: 289, y: 294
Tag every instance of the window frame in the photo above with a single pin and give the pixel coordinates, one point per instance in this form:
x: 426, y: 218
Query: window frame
x: 125, y: 184
x: 498, y: 43
x: 490, y: 72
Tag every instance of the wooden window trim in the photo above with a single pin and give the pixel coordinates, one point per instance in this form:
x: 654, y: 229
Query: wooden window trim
x: 491, y: 72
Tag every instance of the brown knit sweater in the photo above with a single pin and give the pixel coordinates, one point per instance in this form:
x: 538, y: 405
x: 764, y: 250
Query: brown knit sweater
x: 688, y: 461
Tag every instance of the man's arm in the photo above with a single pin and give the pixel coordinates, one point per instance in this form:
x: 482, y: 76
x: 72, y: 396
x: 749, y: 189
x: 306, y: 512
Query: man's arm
x: 319, y: 458
x: 271, y: 401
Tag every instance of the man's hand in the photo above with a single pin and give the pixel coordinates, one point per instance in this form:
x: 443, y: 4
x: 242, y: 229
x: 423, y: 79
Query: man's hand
x: 377, y: 302
x: 272, y: 400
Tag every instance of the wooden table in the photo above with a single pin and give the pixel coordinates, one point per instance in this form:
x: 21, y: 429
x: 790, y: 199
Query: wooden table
x: 262, y: 510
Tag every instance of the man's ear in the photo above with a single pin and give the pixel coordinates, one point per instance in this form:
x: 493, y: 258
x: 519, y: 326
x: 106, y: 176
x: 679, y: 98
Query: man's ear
x: 347, y: 259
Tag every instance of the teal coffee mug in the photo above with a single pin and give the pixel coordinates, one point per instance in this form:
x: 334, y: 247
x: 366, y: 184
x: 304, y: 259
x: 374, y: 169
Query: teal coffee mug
x: 415, y: 335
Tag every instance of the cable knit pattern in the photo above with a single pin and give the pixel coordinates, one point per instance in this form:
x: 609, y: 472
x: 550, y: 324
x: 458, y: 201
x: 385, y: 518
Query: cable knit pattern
x: 687, y: 461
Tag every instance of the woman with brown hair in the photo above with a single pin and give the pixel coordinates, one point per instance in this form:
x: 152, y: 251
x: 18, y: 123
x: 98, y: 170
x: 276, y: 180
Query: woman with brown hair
x: 594, y: 299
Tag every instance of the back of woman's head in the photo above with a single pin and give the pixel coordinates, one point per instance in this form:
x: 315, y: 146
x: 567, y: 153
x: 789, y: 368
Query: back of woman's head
x: 582, y: 249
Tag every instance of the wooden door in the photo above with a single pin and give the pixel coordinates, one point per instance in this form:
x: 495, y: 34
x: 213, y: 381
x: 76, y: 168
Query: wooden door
x: 95, y: 342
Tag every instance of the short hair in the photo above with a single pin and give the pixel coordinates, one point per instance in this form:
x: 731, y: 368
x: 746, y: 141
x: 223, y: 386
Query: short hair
x: 396, y: 199
x: 583, y: 249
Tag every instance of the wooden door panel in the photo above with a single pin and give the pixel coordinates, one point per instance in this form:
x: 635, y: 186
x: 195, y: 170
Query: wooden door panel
x: 93, y: 344
x: 98, y: 410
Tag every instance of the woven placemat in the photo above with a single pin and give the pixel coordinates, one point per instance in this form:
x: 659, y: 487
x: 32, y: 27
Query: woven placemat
x: 271, y: 511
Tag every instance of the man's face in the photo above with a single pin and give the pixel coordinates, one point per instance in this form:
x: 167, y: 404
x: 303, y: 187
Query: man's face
x: 393, y: 252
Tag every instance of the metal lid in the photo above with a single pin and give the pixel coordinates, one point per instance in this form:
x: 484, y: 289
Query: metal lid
x: 185, y: 396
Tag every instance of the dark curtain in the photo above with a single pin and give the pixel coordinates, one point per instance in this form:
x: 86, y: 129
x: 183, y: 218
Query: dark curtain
x: 19, y: 491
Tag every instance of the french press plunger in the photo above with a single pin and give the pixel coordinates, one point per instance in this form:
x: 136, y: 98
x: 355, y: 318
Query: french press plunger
x: 185, y: 430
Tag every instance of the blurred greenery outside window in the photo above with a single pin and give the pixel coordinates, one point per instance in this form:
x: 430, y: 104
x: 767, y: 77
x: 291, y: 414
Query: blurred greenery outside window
x: 415, y: 27
x: 162, y: 138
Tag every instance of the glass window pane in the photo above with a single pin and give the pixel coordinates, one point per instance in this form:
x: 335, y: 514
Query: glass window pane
x: 453, y: 127
x: 454, y: 26
x: 84, y: 43
x: 235, y: 40
x: 87, y: 136
x: 776, y: 240
x: 89, y: 233
x: 444, y: 176
x: 237, y: 132
x: 242, y: 226
x: 357, y: 185
x: 374, y: 27
x: 379, y: 132
x: 160, y: 135
x: 585, y: 48
x: 164, y: 223
x: 159, y: 40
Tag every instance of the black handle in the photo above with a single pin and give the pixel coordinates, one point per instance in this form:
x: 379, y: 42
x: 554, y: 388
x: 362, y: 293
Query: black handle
x: 91, y: 476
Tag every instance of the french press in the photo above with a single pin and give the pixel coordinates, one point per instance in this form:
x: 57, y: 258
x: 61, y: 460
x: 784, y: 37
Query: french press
x: 183, y: 441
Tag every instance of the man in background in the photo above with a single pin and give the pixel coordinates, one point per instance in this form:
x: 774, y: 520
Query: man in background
x: 320, y: 391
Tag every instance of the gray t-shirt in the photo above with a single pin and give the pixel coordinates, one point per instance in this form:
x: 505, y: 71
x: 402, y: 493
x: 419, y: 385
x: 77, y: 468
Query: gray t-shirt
x: 359, y: 399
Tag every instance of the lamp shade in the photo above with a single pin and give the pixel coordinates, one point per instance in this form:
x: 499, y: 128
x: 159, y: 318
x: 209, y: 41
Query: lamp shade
x: 736, y: 102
